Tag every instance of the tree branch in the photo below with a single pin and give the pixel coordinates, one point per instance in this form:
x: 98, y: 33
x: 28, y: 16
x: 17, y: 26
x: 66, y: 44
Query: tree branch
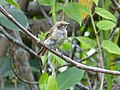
x: 10, y: 38
x: 13, y: 40
x: 20, y: 78
x: 116, y: 5
x: 67, y: 59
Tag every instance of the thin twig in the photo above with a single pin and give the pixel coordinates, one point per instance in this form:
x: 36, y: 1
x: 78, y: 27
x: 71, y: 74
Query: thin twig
x: 99, y: 46
x: 116, y: 5
x: 45, y: 15
x: 88, y: 57
x: 65, y: 58
x: 81, y: 86
x: 88, y: 80
x: 20, y: 78
x: 10, y: 38
x: 13, y: 40
x: 112, y: 33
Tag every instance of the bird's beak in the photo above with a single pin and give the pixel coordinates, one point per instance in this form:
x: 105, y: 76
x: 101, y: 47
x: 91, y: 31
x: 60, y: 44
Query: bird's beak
x: 67, y: 23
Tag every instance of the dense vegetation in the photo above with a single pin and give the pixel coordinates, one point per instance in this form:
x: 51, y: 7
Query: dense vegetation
x: 87, y: 60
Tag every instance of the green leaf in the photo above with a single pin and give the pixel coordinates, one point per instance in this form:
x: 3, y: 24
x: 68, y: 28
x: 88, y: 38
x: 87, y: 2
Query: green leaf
x: 44, y: 59
x: 105, y: 14
x: 74, y: 11
x: 14, y: 3
x: 66, y: 45
x: 69, y: 78
x: 58, y: 59
x: 52, y: 84
x: 111, y: 47
x: 45, y: 2
x: 42, y: 36
x: 18, y: 15
x: 58, y: 7
x: 43, y: 81
x: 105, y: 25
x: 89, y: 43
x: 96, y: 2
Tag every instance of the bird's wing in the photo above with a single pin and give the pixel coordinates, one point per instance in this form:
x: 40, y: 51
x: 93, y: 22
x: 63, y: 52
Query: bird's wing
x: 49, y: 32
x: 43, y: 51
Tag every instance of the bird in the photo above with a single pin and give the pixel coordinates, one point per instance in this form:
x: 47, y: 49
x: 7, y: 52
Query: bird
x: 55, y: 37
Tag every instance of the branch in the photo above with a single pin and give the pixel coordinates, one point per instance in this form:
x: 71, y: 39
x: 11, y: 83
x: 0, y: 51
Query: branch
x: 45, y: 15
x: 116, y: 5
x: 81, y: 60
x: 20, y: 45
x: 65, y: 58
x: 10, y: 38
x: 20, y: 78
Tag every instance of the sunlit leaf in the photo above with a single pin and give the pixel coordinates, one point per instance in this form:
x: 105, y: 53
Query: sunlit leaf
x: 42, y: 36
x: 96, y: 2
x: 44, y: 59
x: 111, y: 47
x: 52, y: 84
x: 74, y: 11
x: 58, y: 59
x: 105, y: 14
x: 105, y: 25
x: 43, y: 81
x: 66, y: 45
x: 89, y: 43
x: 45, y: 2
x: 87, y: 4
x: 13, y: 2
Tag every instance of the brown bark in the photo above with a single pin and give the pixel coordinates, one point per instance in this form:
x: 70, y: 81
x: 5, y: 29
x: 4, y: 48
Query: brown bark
x: 21, y: 58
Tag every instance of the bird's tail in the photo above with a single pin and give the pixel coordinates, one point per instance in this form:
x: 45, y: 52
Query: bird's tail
x: 42, y: 51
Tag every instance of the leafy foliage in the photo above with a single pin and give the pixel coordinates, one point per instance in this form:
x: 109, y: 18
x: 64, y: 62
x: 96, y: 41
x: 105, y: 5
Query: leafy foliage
x: 105, y: 14
x: 13, y: 2
x: 96, y: 2
x: 66, y: 79
x: 74, y: 10
x: 89, y: 43
x: 45, y: 2
x: 18, y: 15
x: 52, y: 83
x: 106, y: 30
x: 43, y: 81
x: 102, y: 25
x: 111, y: 47
x: 47, y: 82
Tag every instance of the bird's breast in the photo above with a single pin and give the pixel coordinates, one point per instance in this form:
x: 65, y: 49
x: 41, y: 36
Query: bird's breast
x: 61, y: 34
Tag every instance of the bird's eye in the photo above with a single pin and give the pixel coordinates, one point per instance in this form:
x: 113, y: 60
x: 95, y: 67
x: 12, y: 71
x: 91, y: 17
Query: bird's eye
x: 59, y: 27
x: 61, y: 24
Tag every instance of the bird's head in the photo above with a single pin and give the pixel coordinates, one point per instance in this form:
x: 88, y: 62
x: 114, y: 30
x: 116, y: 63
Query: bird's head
x: 61, y: 25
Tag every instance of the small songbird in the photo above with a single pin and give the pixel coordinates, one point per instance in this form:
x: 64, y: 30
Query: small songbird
x: 55, y: 37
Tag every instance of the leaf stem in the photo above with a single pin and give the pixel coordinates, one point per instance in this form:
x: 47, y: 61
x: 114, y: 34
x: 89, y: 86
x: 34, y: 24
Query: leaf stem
x: 99, y: 46
x: 53, y: 11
